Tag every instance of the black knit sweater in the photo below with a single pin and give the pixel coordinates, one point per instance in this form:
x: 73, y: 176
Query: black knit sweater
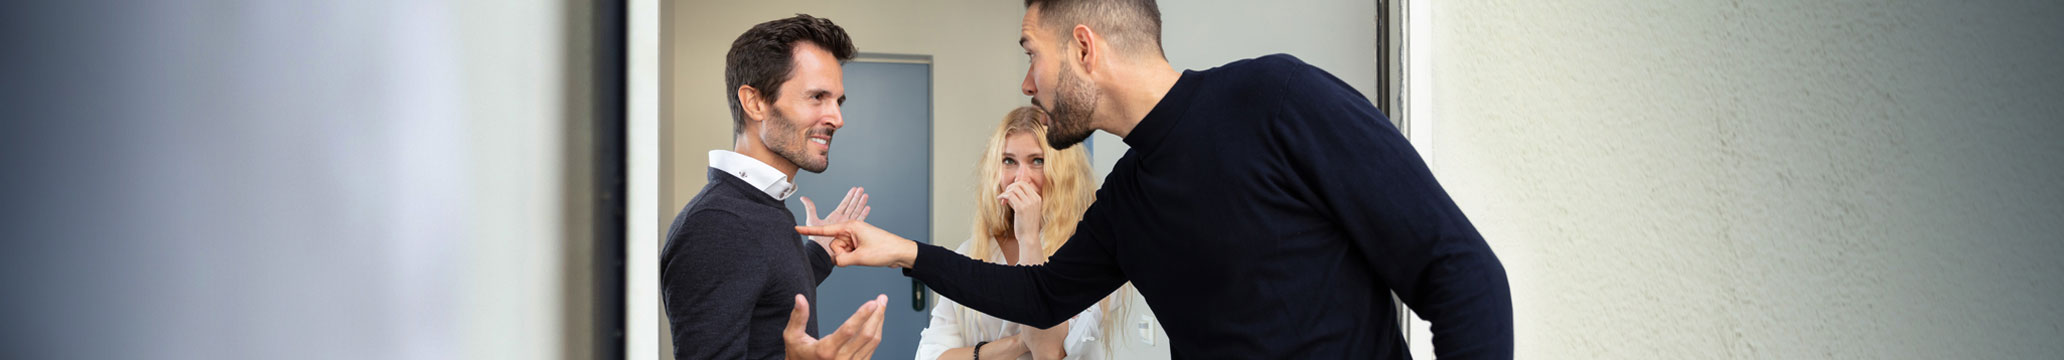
x: 730, y: 271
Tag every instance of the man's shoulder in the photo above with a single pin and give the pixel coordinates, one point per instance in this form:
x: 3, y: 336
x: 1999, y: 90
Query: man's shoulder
x: 700, y: 225
x: 1265, y: 68
x: 722, y: 213
x: 1291, y: 82
x: 705, y: 215
x: 1272, y: 79
x: 1270, y: 61
x: 714, y: 204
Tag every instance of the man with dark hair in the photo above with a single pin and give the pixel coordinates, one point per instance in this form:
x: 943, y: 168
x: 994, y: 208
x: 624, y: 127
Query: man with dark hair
x: 736, y: 278
x: 1265, y: 210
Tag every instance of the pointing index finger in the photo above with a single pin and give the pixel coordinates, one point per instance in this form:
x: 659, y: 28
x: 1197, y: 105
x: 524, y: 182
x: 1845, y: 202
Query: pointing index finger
x: 819, y: 230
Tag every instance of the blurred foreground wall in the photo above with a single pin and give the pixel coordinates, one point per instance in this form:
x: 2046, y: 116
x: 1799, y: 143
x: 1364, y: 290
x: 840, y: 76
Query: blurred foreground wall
x: 269, y: 180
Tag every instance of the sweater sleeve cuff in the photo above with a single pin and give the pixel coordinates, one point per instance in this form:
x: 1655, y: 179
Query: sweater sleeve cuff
x: 927, y: 262
x: 820, y: 260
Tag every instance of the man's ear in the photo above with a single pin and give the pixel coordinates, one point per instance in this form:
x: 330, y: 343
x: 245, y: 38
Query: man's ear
x: 1086, y: 53
x: 749, y: 100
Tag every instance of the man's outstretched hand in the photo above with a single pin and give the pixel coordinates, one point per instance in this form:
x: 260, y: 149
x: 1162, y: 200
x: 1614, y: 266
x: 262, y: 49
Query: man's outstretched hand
x: 853, y: 207
x: 856, y: 339
x: 857, y: 243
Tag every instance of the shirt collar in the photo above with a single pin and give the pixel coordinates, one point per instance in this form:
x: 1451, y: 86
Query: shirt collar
x: 759, y: 174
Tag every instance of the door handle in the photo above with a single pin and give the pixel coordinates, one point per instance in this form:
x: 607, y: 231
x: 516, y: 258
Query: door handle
x: 917, y: 295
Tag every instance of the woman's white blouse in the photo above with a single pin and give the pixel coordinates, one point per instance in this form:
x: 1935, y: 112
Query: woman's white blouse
x: 1084, y: 341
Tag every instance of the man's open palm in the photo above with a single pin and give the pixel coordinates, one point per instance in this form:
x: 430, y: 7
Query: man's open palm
x: 853, y: 207
x: 856, y: 339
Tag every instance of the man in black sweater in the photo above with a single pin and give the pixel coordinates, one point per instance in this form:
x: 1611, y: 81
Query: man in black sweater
x: 1265, y: 210
x: 735, y: 276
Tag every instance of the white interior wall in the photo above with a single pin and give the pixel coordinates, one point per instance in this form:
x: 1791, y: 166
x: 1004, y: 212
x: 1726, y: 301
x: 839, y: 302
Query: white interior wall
x: 1771, y: 179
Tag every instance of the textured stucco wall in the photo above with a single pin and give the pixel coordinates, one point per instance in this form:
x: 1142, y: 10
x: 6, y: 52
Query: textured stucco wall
x: 1765, y: 179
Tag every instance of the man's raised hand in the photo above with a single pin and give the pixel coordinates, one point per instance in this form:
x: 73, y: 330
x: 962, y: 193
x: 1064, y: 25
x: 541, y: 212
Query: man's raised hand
x: 853, y: 207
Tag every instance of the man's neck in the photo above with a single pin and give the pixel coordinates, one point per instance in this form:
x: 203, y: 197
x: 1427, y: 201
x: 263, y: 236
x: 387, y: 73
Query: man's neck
x: 752, y: 148
x: 1139, y: 91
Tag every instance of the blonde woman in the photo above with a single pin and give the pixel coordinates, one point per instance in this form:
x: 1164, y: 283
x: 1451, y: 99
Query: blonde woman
x: 1028, y: 200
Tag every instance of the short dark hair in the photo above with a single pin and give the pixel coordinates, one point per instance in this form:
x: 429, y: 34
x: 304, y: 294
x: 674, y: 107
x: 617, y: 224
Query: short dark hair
x: 764, y: 57
x: 1134, y: 25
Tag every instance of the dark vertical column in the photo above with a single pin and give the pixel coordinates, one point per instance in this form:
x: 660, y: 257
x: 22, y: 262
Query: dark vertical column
x: 610, y: 41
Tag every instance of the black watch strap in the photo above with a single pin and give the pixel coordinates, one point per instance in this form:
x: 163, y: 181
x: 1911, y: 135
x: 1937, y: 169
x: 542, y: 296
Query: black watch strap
x: 978, y: 350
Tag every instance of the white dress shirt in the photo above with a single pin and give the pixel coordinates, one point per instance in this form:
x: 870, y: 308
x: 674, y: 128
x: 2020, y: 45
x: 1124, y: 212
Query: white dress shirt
x: 1084, y: 341
x: 759, y: 174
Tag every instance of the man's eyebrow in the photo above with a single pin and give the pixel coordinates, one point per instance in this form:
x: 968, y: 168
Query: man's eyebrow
x: 1021, y: 41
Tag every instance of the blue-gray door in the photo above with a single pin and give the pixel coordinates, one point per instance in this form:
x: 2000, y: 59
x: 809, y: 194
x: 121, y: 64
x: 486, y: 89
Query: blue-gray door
x: 885, y: 147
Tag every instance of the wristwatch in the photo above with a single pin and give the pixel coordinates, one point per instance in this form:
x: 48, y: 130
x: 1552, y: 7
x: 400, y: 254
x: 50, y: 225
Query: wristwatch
x: 978, y: 350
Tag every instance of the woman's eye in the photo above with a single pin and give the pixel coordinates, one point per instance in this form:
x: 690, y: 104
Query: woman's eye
x: 1010, y: 161
x: 1038, y: 162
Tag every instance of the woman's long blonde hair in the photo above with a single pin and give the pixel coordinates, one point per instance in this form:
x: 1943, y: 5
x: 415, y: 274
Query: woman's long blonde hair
x: 1070, y: 188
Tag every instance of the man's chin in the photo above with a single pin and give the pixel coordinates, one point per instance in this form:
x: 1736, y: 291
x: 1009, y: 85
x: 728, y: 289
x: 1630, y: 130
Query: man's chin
x: 1061, y: 141
x: 819, y: 169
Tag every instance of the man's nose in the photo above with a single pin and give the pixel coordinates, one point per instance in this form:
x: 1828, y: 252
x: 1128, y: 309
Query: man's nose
x: 837, y: 118
x: 1027, y: 85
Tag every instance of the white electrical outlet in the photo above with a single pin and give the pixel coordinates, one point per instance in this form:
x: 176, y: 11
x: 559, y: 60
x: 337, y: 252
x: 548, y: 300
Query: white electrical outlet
x: 1146, y: 329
